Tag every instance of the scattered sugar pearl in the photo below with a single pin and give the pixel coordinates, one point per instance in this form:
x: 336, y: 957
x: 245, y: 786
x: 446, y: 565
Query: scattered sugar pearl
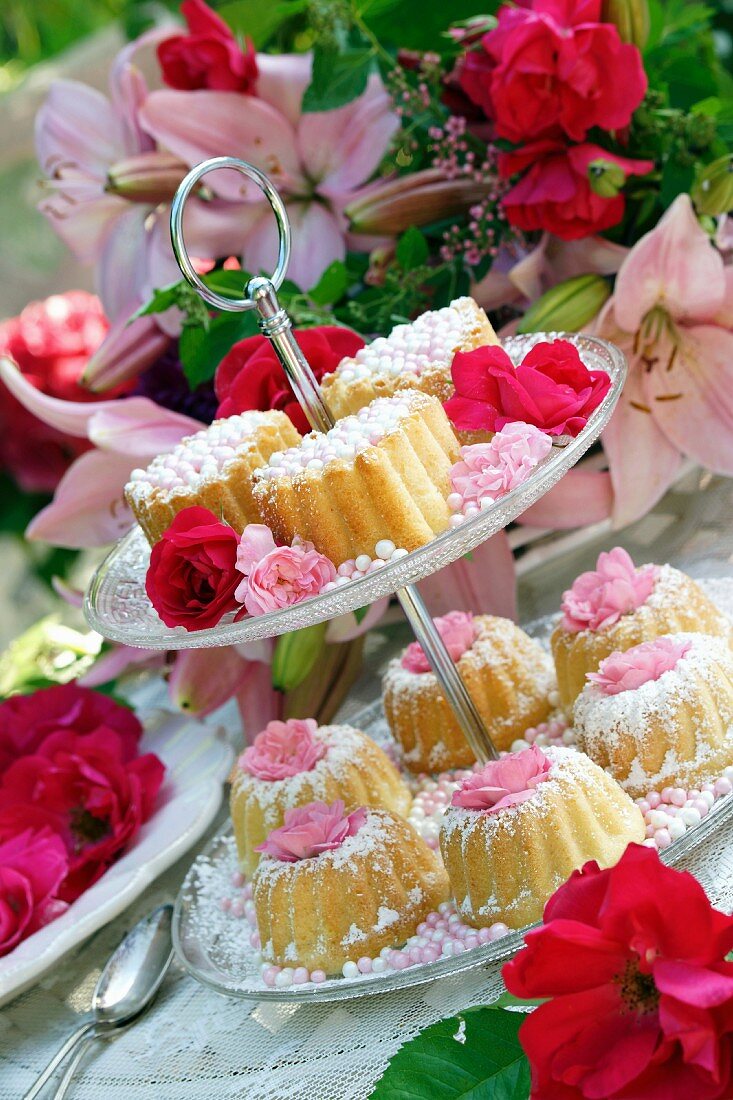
x: 657, y: 819
x: 285, y: 978
x: 455, y: 502
x: 708, y: 797
x: 701, y: 806
x: 653, y: 798
x: 379, y: 965
x: 728, y: 773
x: 722, y: 787
x: 649, y: 843
x: 679, y: 797
x: 364, y: 964
x: 385, y: 548
x: 237, y: 909
x: 400, y: 552
x: 254, y: 940
x: 676, y: 828
x: 662, y: 838
x: 363, y: 562
x: 690, y: 816
x: 350, y: 969
x: 270, y: 975
x: 519, y: 745
x: 300, y: 975
x: 237, y: 880
x: 643, y: 805
x: 225, y: 904
x: 318, y: 976
x: 499, y: 930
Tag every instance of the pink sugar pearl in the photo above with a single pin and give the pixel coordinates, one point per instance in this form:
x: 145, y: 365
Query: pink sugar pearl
x: 364, y: 964
x: 679, y: 797
x: 722, y: 787
x: 225, y: 904
x: 269, y: 975
x: 254, y: 941
x: 650, y: 830
x: 430, y: 953
x: 237, y: 908
x: 498, y: 930
x: 662, y: 838
x: 702, y: 807
x: 653, y: 798
x: 300, y: 975
x: 247, y: 892
x: 318, y: 976
x: 398, y: 961
x: 471, y: 942
x: 237, y: 879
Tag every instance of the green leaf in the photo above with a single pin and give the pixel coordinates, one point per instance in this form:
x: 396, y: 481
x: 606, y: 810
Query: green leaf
x: 361, y: 612
x: 473, y: 1056
x: 412, y: 249
x: 332, y: 284
x: 201, y: 350
x: 676, y: 178
x: 337, y: 78
x: 257, y: 20
x: 161, y: 300
x: 415, y: 24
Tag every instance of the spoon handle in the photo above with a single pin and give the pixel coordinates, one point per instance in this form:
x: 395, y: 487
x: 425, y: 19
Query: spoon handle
x: 68, y: 1046
x: 72, y: 1067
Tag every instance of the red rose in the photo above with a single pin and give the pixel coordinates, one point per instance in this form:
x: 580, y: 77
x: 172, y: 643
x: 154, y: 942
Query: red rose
x: 251, y: 376
x: 32, y: 866
x: 209, y: 56
x: 50, y: 342
x: 26, y: 720
x: 641, y: 1008
x: 557, y: 193
x: 87, y: 791
x: 551, y: 388
x: 192, y: 574
x: 552, y: 67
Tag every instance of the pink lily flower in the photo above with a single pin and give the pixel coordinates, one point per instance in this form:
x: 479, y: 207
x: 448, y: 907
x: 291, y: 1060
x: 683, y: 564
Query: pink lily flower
x: 672, y: 314
x: 317, y: 160
x: 88, y: 508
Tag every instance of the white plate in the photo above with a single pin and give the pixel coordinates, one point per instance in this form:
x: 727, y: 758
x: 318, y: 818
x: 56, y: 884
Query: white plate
x: 197, y: 762
x: 117, y: 606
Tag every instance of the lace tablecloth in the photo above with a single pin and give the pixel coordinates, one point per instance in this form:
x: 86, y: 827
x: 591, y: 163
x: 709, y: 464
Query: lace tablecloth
x: 196, y: 1044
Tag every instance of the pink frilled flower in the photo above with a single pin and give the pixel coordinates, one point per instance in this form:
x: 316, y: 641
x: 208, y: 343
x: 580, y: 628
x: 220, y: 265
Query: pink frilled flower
x: 278, y: 576
x: 32, y: 867
x: 490, y: 470
x: 312, y: 829
x: 600, y: 597
x: 638, y: 665
x: 504, y: 783
x: 283, y: 749
x: 458, y: 631
x: 551, y: 388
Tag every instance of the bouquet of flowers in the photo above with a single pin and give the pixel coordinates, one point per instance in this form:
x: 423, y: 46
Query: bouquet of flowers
x: 566, y: 163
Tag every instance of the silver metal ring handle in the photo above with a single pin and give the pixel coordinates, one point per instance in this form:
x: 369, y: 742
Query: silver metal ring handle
x: 236, y: 305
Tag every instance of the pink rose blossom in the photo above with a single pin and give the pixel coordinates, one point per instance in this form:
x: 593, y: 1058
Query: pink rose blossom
x: 312, y: 829
x: 278, y: 576
x: 490, y: 470
x: 32, y: 867
x: 504, y: 783
x: 638, y: 665
x: 600, y: 597
x: 458, y: 631
x: 283, y: 749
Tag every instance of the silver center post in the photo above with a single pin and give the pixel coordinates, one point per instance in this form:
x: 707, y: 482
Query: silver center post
x: 261, y: 294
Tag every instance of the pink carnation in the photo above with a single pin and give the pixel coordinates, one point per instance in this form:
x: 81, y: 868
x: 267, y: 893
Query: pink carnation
x: 638, y: 665
x: 600, y: 597
x: 278, y: 576
x: 458, y: 631
x: 32, y: 867
x: 505, y: 782
x: 312, y: 829
x: 490, y: 470
x: 283, y: 749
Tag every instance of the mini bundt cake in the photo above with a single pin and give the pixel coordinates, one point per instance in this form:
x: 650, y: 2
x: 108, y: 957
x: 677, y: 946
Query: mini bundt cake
x: 331, y: 888
x: 295, y: 762
x: 213, y: 468
x: 617, y: 606
x: 508, y: 675
x: 517, y: 829
x: 380, y: 475
x: 416, y: 356
x: 661, y: 713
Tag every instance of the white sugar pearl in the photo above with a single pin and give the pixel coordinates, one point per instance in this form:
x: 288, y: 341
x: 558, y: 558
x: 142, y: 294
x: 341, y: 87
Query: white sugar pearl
x: 363, y: 562
x: 568, y: 738
x: 708, y: 797
x: 350, y: 969
x: 400, y: 552
x: 284, y: 978
x: 658, y: 819
x: 690, y: 816
x: 315, y: 464
x: 454, y: 501
x: 676, y: 828
x: 518, y: 746
x: 385, y: 548
x: 386, y: 952
x: 379, y: 965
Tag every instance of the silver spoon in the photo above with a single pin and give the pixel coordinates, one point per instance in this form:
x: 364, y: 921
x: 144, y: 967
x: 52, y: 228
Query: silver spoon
x: 126, y: 986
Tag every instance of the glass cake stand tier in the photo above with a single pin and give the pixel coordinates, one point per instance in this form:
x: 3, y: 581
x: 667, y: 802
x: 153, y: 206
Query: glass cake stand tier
x: 116, y: 604
x: 216, y: 951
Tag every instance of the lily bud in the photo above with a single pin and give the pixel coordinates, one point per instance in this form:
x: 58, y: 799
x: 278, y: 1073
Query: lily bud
x: 129, y: 348
x: 148, y: 177
x: 419, y: 199
x: 631, y: 17
x: 295, y: 656
x: 606, y: 178
x: 327, y: 685
x: 713, y: 192
x: 567, y: 307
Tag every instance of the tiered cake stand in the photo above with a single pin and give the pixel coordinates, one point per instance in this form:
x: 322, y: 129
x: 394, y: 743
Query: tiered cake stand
x: 117, y: 606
